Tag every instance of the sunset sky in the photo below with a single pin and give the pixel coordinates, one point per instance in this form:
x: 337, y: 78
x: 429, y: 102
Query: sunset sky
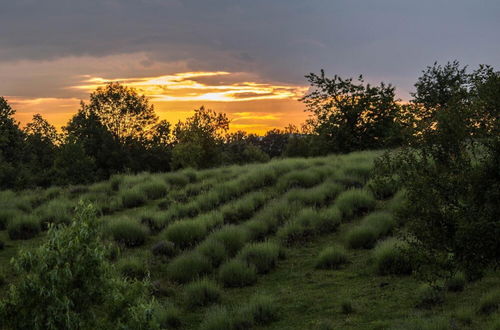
x: 246, y: 58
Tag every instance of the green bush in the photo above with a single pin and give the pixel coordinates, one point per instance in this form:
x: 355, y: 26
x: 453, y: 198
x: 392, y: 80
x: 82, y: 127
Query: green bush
x: 292, y: 232
x: 202, y: 292
x: 214, y: 250
x: 188, y: 266
x: 315, y: 196
x: 217, y: 318
x: 152, y: 219
x: 243, y: 208
x: 382, y: 222
x: 164, y: 249
x: 331, y: 258
x: 127, y: 231
x: 185, y: 233
x: 133, y: 268
x: 428, y: 296
x: 383, y: 187
x: 456, y: 283
x: 57, y: 211
x: 153, y: 189
x: 169, y: 317
x: 132, y: 197
x: 353, y: 202
x: 302, y: 178
x: 361, y: 237
x: 237, y: 273
x: 232, y: 237
x: 327, y: 220
x: 257, y: 229
x: 178, y: 179
x: 391, y: 258
x: 6, y: 215
x: 23, y: 227
x: 261, y: 310
x: 264, y: 256
x: 490, y: 302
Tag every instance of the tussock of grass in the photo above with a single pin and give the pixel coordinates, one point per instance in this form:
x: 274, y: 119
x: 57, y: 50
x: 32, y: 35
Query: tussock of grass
x: 331, y: 258
x: 132, y: 197
x: 23, y: 227
x: 133, y: 268
x: 390, y: 258
x: 164, y: 249
x: 7, y: 215
x: 214, y: 250
x: 302, y: 178
x: 187, y: 267
x: 382, y: 222
x: 354, y: 202
x: 361, y: 237
x: 237, y: 273
x: 243, y: 208
x: 127, y: 231
x: 257, y: 229
x: 185, y: 233
x: 202, y: 292
x: 169, y: 317
x: 456, y: 283
x: 153, y: 189
x: 428, y: 297
x: 490, y: 302
x: 232, y: 237
x: 152, y: 219
x: 264, y: 256
x: 261, y: 310
x: 57, y: 211
x: 217, y: 318
x: 315, y: 196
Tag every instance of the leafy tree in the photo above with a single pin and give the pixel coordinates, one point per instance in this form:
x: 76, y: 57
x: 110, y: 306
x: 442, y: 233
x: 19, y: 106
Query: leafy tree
x: 67, y: 283
x: 274, y: 142
x: 351, y: 116
x: 203, y: 133
x: 240, y: 148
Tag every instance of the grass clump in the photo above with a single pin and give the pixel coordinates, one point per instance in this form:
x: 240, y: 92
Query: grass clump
x: 169, y: 317
x: 331, y: 258
x: 214, y: 250
x: 456, y: 283
x: 133, y: 268
x: 232, y: 237
x: 264, y: 256
x: 132, y: 198
x: 23, y: 227
x: 187, y: 267
x: 354, y: 202
x: 382, y: 222
x: 361, y: 237
x: 428, y: 297
x: 202, y: 292
x: 243, y: 208
x: 152, y: 219
x: 261, y: 310
x: 490, y: 302
x: 57, y: 211
x: 164, y: 248
x: 237, y: 273
x: 6, y: 215
x: 185, y: 233
x: 391, y: 258
x: 153, y: 189
x: 217, y: 318
x: 127, y: 231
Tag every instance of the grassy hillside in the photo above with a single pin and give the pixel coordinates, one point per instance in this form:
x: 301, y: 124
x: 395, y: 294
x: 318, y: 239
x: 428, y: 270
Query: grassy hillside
x: 290, y: 244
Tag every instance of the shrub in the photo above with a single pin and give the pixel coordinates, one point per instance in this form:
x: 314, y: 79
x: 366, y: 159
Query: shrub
x: 291, y: 232
x: 490, y: 302
x: 153, y: 189
x: 257, y: 229
x: 23, y: 227
x: 127, y: 231
x: 260, y: 310
x: 237, y: 273
x: 302, y: 178
x: 178, y: 179
x: 383, y: 187
x: 132, y: 198
x: 331, y: 258
x: 202, y: 292
x: 232, y: 237
x: 185, y: 233
x: 152, y: 219
x: 133, y: 268
x: 382, y: 222
x: 428, y: 296
x: 187, y: 267
x: 57, y: 211
x: 115, y: 182
x: 355, y: 201
x: 391, y: 258
x: 361, y: 237
x: 164, y: 249
x: 264, y: 256
x: 217, y: 318
x: 456, y: 283
x: 214, y: 250
x: 169, y: 317
x: 327, y: 220
x: 243, y: 208
x: 6, y: 215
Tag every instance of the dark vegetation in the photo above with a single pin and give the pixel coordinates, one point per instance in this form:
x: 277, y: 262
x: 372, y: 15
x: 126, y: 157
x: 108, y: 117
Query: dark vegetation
x: 402, y: 238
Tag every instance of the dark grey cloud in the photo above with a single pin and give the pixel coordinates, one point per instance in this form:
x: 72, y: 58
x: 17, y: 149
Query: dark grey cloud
x: 389, y: 40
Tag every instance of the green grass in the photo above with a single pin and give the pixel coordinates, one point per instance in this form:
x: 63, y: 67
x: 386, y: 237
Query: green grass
x: 390, y: 258
x: 23, y: 227
x: 332, y: 257
x: 185, y: 233
x: 237, y: 273
x: 202, y: 292
x: 7, y: 215
x: 126, y: 231
x: 490, y: 302
x: 354, y: 202
x: 361, y: 237
x: 133, y: 197
x: 188, y: 267
x: 263, y: 256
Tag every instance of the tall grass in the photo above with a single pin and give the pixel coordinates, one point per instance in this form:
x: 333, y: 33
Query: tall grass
x: 153, y: 189
x: 331, y: 258
x: 214, y: 251
x: 188, y: 267
x: 264, y: 256
x: 57, y: 211
x: 232, y: 237
x: 243, y: 208
x: 353, y: 202
x: 185, y: 233
x: 237, y: 273
x: 23, y: 227
x: 202, y: 292
x: 132, y: 197
x: 7, y: 215
x: 126, y: 231
x: 391, y: 258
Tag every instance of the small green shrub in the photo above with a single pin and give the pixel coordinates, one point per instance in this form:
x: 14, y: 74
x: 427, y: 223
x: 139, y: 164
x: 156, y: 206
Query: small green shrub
x: 361, y: 237
x: 6, y: 215
x: 164, y: 249
x: 23, y: 227
x: 243, y: 208
x: 327, y: 220
x: 354, y: 202
x: 57, y: 211
x: 428, y: 297
x: 291, y: 233
x: 490, y: 302
x: 331, y: 258
x: 217, y: 318
x: 152, y: 219
x: 133, y: 268
x: 132, y: 198
x: 214, y: 250
x: 382, y: 222
x: 383, y: 187
x: 264, y: 256
x: 237, y: 273
x: 185, y: 233
x: 187, y: 267
x: 178, y: 179
x: 153, y: 189
x: 232, y: 237
x: 302, y: 178
x: 260, y: 310
x: 169, y: 317
x: 202, y: 292
x: 257, y: 229
x: 391, y: 258
x: 456, y: 283
x: 127, y: 231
